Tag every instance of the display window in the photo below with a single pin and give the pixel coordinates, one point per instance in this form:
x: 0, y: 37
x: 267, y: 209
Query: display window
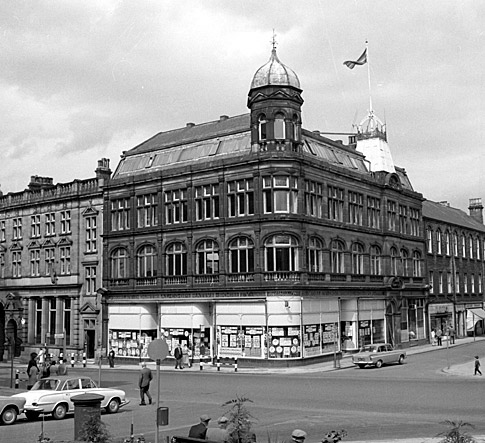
x: 196, y: 340
x: 320, y: 339
x: 371, y: 331
x: 349, y: 334
x: 131, y: 343
x: 284, y: 342
x: 244, y: 341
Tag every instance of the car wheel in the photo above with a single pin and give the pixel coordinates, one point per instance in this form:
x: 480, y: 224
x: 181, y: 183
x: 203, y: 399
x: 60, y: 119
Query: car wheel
x: 113, y: 406
x: 59, y: 411
x: 361, y: 366
x: 9, y: 415
x: 32, y: 415
x: 401, y: 359
x: 378, y: 363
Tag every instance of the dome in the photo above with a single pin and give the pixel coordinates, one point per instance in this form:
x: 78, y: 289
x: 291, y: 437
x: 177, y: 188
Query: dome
x: 275, y: 73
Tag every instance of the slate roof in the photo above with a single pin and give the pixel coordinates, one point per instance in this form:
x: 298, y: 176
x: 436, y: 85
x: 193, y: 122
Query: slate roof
x: 453, y: 216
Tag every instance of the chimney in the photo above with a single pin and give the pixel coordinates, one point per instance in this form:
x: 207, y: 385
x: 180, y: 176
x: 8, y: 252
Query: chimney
x: 476, y: 209
x: 103, y: 172
x: 37, y: 182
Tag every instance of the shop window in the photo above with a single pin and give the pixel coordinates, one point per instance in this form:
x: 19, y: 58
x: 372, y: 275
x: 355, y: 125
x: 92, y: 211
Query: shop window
x: 38, y: 321
x: 176, y: 259
x: 320, y: 339
x: 241, y: 255
x: 119, y: 261
x: 131, y: 343
x: 357, y: 258
x: 337, y: 259
x: 375, y: 260
x: 281, y: 253
x: 315, y: 255
x: 67, y: 319
x: 207, y: 257
x: 146, y: 262
x: 284, y: 342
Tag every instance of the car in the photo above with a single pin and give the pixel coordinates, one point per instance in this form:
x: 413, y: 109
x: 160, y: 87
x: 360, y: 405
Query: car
x: 377, y: 355
x: 53, y: 395
x: 10, y: 409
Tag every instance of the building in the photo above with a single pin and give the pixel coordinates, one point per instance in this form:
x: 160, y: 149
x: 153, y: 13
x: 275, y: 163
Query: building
x: 250, y: 236
x: 455, y: 254
x: 50, y: 264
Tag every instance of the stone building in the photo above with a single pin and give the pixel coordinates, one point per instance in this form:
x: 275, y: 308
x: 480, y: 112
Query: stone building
x: 50, y: 264
x: 455, y: 254
x: 250, y: 236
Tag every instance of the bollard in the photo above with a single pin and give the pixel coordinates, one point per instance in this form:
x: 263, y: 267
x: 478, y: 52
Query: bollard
x: 235, y: 364
x: 84, y: 359
x: 61, y: 358
x: 72, y: 359
x: 201, y: 363
x: 218, y: 363
x: 17, y: 379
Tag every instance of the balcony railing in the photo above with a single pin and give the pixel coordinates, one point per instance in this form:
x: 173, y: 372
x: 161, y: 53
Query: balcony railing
x: 175, y: 280
x: 240, y: 278
x: 206, y: 279
x: 120, y: 282
x: 146, y: 281
x: 312, y: 276
x: 338, y: 277
x: 281, y: 276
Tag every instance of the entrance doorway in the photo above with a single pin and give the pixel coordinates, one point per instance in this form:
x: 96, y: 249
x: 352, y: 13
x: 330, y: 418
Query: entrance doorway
x: 90, y: 343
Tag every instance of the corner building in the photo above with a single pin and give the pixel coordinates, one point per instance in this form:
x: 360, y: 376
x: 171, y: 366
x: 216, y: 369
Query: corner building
x: 250, y: 236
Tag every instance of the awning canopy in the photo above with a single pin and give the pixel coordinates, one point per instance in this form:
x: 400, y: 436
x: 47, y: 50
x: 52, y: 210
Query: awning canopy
x: 473, y: 316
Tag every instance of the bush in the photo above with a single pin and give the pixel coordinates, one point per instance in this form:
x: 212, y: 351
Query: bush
x: 456, y: 434
x: 94, y: 431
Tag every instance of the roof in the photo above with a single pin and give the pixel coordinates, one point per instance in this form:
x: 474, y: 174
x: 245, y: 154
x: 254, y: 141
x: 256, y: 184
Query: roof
x: 453, y: 216
x: 275, y: 73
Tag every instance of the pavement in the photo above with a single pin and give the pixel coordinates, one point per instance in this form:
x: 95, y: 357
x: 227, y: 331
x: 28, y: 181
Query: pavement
x: 461, y: 370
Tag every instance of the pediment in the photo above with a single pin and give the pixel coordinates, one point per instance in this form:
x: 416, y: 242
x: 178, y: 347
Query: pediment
x: 88, y: 308
x: 89, y: 211
x: 34, y: 244
x: 64, y: 241
x: 48, y: 243
x: 16, y: 246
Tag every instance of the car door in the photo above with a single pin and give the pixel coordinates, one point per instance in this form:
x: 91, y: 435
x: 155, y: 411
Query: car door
x: 71, y: 388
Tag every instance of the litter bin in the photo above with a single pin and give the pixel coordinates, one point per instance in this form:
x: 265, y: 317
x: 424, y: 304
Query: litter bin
x: 162, y: 416
x: 85, y: 407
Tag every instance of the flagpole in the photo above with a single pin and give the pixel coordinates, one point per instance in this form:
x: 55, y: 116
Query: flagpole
x: 368, y: 77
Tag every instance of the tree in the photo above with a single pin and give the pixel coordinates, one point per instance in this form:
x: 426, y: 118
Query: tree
x: 240, y: 420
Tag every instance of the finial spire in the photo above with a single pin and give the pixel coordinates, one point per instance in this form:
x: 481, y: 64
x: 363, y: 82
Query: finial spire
x: 273, y: 42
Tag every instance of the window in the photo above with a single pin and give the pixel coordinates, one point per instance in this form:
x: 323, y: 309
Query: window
x: 241, y: 255
x: 146, y: 262
x: 38, y: 320
x: 440, y: 282
x: 375, y: 260
x: 457, y: 283
x: 416, y: 264
x: 16, y: 264
x: 357, y: 259
x: 394, y: 258
x: 438, y: 242
x: 49, y: 260
x: 175, y: 206
x: 240, y: 197
x: 404, y: 262
x: 431, y: 282
x: 281, y: 253
x: 315, y: 255
x: 52, y: 302
x: 50, y: 224
x: 91, y: 234
x: 373, y: 212
x: 120, y: 214
x: 67, y: 319
x: 429, y: 240
x: 207, y: 202
x: 35, y: 262
x: 335, y: 203
x: 465, y: 283
x: 176, y: 259
x: 479, y: 283
x: 356, y: 208
x: 146, y: 210
x: 2, y: 264
x: 470, y: 247
x: 337, y: 263
x: 279, y: 127
x: 2, y: 231
x: 449, y: 282
x: 463, y: 246
x: 313, y: 199
x: 262, y: 126
x: 391, y: 215
x: 447, y: 243
x: 119, y: 261
x: 17, y: 228
x: 280, y: 194
x: 207, y: 258
x: 66, y: 222
x: 477, y: 248
x: 414, y: 221
x: 455, y: 245
x: 35, y: 226
x: 65, y: 260
x: 90, y: 279
x: 472, y: 283
x: 403, y: 219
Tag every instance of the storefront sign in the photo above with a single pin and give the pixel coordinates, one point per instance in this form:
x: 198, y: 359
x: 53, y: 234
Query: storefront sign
x: 440, y: 308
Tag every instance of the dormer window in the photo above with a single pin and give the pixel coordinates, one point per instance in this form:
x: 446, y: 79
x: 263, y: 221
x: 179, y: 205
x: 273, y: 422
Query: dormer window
x: 279, y: 127
x: 262, y: 128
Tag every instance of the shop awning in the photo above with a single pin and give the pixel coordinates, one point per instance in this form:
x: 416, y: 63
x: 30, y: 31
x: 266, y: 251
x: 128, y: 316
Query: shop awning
x: 473, y: 316
x: 478, y: 312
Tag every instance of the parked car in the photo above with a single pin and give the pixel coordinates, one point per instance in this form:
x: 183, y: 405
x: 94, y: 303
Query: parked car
x: 377, y: 355
x: 10, y: 408
x: 52, y: 395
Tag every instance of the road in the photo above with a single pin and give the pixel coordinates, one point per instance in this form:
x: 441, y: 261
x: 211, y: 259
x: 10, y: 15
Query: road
x: 411, y: 400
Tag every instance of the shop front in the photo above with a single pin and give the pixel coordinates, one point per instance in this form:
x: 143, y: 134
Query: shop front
x: 475, y: 319
x: 441, y: 316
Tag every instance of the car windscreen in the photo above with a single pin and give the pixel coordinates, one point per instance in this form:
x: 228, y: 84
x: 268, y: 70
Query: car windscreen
x: 369, y: 349
x: 49, y: 384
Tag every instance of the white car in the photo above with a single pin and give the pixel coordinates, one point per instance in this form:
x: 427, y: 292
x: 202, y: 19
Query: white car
x: 52, y: 395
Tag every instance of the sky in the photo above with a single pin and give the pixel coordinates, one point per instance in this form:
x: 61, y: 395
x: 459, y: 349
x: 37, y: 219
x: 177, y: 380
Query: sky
x: 85, y: 80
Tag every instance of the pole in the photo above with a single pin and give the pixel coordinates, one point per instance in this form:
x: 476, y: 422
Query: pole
x: 447, y: 351
x: 99, y: 367
x: 12, y: 351
x: 158, y: 398
x: 368, y: 76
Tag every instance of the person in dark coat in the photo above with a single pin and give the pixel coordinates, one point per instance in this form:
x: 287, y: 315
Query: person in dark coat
x: 144, y: 384
x: 111, y: 358
x: 178, y: 354
x: 200, y: 430
x: 477, y: 366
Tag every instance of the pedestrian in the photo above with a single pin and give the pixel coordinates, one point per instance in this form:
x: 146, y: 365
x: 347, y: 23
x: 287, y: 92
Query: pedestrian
x: 144, y: 384
x: 433, y: 337
x: 200, y: 429
x: 62, y: 368
x: 53, y: 368
x: 32, y: 372
x: 32, y: 361
x: 477, y: 366
x: 220, y: 434
x: 185, y: 356
x: 111, y: 358
x: 439, y: 335
x: 452, y: 335
x: 178, y: 354
x: 45, y: 370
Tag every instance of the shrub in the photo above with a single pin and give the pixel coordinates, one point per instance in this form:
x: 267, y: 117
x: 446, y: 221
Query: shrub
x: 456, y: 434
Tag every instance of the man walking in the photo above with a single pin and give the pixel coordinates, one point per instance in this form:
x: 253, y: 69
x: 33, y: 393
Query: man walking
x: 144, y: 384
x: 477, y: 366
x: 178, y: 354
x: 439, y: 335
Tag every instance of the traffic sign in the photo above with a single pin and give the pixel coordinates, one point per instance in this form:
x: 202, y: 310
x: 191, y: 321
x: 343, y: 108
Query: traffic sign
x: 158, y: 349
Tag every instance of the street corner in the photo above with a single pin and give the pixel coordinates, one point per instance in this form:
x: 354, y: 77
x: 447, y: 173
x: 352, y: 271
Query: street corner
x: 461, y: 370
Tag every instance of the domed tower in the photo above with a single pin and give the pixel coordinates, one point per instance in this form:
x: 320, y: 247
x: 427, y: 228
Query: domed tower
x: 275, y: 103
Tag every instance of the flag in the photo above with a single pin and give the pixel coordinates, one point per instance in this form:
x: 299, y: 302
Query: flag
x: 362, y: 60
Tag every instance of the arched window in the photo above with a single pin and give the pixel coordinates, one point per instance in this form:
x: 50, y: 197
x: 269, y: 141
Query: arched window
x: 394, y: 258
x: 477, y: 248
x: 416, y: 264
x: 337, y: 262
x: 463, y: 245
x: 429, y: 240
x: 375, y: 260
x: 241, y: 255
x: 455, y: 244
x: 470, y: 247
x: 176, y: 259
x: 447, y: 243
x: 207, y: 257
x: 357, y: 259
x: 281, y: 253
x: 404, y: 262
x: 146, y: 262
x: 279, y: 127
x: 119, y: 261
x: 315, y: 255
x: 262, y: 127
x: 438, y: 242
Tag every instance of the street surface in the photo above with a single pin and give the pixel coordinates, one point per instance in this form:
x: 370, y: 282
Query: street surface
x: 411, y: 400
